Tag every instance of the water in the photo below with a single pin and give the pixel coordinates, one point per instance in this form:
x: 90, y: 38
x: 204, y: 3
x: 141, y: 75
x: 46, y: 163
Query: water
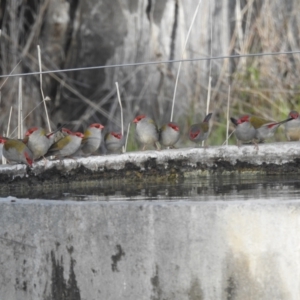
x: 224, y: 188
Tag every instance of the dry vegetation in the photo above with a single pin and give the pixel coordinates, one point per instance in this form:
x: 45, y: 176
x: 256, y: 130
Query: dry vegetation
x: 263, y: 85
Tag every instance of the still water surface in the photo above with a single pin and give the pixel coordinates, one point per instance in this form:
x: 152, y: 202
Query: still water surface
x: 224, y: 188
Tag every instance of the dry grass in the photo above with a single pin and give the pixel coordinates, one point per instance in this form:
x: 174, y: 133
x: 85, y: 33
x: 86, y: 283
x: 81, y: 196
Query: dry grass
x: 266, y: 86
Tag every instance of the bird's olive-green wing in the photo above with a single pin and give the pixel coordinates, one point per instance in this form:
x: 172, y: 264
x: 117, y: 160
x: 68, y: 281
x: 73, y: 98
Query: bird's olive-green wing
x: 60, y: 144
x: 18, y: 145
x: 257, y: 122
x: 204, y: 126
x: 150, y: 121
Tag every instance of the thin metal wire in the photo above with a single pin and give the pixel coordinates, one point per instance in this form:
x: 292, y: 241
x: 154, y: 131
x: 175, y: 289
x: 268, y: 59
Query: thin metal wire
x: 153, y: 63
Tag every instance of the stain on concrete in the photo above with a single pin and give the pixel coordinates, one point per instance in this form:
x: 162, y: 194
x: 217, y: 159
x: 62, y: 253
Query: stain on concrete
x: 116, y: 258
x: 238, y: 271
x: 230, y: 289
x: 74, y: 292
x: 156, y: 287
x: 158, y: 11
x: 58, y: 285
x: 133, y: 5
x: 195, y: 291
x: 60, y: 288
x: 148, y: 9
x: 21, y: 285
x: 70, y: 249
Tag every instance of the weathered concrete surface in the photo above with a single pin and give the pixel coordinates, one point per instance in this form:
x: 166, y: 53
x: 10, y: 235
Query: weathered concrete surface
x: 149, y: 250
x: 158, y: 166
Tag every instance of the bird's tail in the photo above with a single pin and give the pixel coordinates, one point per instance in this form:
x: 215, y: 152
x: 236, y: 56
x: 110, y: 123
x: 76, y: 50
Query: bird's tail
x: 270, y: 125
x: 207, y: 118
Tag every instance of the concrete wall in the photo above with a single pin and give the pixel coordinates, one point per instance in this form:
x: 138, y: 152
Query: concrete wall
x: 159, y: 250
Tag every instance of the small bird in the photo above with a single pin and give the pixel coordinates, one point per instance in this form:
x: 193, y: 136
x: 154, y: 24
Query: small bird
x: 169, y: 134
x: 292, y: 128
x: 113, y: 141
x: 265, y: 128
x: 244, y: 131
x: 16, y: 151
x: 92, y: 139
x: 66, y: 146
x: 199, y: 132
x: 59, y: 134
x: 38, y: 141
x: 252, y: 128
x: 146, y: 132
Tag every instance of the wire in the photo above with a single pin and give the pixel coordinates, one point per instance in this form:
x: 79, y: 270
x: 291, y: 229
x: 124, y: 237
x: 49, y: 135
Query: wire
x: 152, y: 63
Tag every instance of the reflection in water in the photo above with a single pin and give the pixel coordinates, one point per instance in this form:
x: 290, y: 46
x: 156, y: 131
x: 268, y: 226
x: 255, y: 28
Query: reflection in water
x: 200, y: 189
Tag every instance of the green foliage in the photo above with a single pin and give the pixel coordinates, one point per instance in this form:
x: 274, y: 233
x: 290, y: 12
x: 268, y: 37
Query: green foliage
x: 252, y: 77
x: 132, y: 144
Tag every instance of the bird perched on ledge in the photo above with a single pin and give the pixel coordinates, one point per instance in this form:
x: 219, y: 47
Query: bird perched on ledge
x: 292, y: 128
x: 169, y: 134
x: 113, y: 141
x: 16, y: 151
x: 59, y: 134
x: 38, y: 141
x: 266, y: 128
x: 199, y: 132
x: 146, y: 131
x: 252, y: 128
x: 244, y: 130
x: 66, y: 146
x: 92, y: 139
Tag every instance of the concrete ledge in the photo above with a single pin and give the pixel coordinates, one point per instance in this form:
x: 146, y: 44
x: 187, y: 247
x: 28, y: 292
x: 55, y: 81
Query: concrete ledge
x: 159, y: 250
x: 158, y: 166
x: 177, y: 250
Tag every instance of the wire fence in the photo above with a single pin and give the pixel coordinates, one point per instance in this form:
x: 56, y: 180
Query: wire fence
x: 154, y: 63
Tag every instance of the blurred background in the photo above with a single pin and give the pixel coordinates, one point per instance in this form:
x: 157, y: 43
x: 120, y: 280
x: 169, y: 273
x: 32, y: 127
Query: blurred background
x: 76, y: 34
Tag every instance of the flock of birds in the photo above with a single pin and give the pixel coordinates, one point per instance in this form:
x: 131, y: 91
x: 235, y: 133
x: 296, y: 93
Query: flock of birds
x: 61, y: 143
